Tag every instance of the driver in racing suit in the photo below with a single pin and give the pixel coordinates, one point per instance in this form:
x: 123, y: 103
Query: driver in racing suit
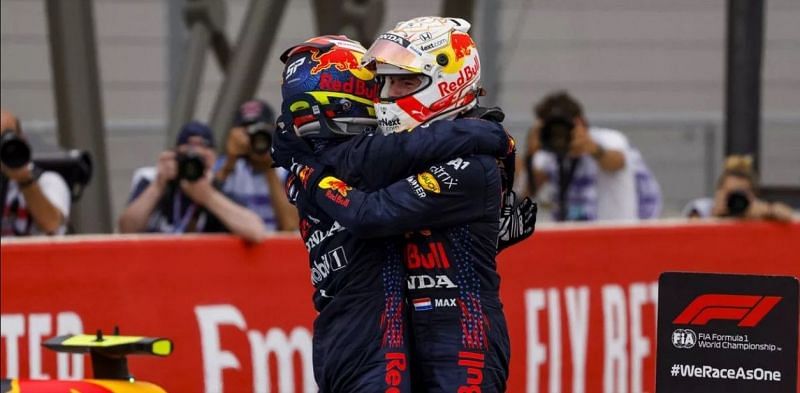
x: 359, y: 341
x: 451, y: 209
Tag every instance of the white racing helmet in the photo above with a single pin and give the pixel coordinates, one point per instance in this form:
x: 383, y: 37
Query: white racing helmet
x: 442, y: 54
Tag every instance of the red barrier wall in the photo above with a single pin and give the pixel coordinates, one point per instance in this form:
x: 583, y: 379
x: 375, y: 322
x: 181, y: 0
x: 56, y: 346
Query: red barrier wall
x: 580, y: 302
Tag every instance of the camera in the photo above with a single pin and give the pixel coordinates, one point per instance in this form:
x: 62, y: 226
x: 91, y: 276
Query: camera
x: 75, y: 166
x: 737, y: 203
x: 260, y: 137
x: 191, y: 166
x: 14, y: 151
x: 556, y: 134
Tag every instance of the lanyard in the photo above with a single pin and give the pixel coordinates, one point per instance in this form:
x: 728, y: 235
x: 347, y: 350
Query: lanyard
x: 566, y: 171
x: 13, y: 217
x: 180, y: 223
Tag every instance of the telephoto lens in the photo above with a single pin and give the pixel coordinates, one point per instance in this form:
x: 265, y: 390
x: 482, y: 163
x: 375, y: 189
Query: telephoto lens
x: 260, y: 137
x: 14, y: 151
x: 75, y: 166
x: 737, y: 203
x: 191, y: 166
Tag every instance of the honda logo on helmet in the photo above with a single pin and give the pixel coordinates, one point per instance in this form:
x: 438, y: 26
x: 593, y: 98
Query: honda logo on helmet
x: 395, y: 38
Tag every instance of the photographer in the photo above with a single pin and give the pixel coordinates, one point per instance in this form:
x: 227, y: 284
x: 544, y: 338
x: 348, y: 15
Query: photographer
x: 35, y: 202
x: 591, y: 173
x: 246, y: 173
x: 178, y: 196
x: 736, y: 196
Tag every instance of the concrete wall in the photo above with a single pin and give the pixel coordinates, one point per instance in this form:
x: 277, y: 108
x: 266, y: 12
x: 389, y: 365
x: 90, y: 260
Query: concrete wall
x: 637, y: 58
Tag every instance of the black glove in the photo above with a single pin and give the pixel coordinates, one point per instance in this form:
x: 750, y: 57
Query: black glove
x: 508, y: 168
x: 516, y: 223
x: 295, y: 155
x: 287, y: 147
x: 494, y: 114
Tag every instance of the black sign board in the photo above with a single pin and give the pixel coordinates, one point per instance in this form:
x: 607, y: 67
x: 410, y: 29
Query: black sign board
x: 726, y: 333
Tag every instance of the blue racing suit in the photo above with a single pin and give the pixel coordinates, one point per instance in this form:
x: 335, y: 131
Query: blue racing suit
x: 448, y: 215
x: 360, y: 339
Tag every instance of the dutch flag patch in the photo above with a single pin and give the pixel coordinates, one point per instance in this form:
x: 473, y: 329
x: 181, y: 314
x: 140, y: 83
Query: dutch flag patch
x: 423, y: 304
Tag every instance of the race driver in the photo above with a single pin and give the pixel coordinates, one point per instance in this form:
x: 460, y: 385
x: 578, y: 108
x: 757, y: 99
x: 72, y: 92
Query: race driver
x: 359, y: 341
x: 458, y: 333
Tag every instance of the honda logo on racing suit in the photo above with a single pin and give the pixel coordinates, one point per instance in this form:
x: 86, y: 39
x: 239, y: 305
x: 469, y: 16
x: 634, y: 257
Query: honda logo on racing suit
x: 426, y: 282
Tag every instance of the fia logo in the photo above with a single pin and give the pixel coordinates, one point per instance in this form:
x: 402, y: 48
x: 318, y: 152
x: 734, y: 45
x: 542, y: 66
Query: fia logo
x: 684, y: 338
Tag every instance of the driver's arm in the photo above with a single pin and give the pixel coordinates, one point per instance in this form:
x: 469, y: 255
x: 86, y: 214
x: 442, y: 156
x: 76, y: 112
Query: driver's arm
x: 444, y: 195
x: 379, y: 160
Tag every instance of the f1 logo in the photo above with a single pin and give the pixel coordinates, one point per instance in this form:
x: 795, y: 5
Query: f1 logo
x: 747, y: 309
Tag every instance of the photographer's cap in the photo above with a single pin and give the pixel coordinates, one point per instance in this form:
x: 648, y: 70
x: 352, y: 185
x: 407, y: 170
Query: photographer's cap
x: 254, y: 111
x: 195, y: 128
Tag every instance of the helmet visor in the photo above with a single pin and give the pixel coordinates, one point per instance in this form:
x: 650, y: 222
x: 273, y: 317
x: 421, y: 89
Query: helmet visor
x: 396, y: 86
x: 391, y: 52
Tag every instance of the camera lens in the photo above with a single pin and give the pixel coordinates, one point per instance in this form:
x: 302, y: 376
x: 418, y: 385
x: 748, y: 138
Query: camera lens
x: 260, y: 138
x: 737, y: 203
x: 556, y: 135
x: 191, y: 166
x: 14, y: 152
x: 260, y: 142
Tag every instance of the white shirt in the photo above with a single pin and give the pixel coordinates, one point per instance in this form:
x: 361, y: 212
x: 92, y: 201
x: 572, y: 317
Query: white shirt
x: 17, y: 220
x: 700, y: 207
x: 629, y: 193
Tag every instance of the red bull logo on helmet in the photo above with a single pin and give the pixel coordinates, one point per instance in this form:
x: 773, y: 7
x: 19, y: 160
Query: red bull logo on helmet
x: 465, y: 76
x: 462, y: 44
x: 351, y: 85
x: 342, y: 59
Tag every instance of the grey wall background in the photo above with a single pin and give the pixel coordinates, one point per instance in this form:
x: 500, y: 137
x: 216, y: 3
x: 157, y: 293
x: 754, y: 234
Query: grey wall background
x: 654, y: 69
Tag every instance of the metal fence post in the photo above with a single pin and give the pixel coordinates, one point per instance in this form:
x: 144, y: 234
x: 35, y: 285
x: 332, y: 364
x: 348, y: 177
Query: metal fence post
x: 79, y: 105
x: 206, y: 21
x: 743, y: 77
x: 247, y: 63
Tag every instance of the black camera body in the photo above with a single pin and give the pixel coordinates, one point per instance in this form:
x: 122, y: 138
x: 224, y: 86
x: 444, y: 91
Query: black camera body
x: 260, y: 137
x: 737, y: 203
x: 75, y: 166
x: 556, y: 134
x: 14, y: 151
x: 191, y: 166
